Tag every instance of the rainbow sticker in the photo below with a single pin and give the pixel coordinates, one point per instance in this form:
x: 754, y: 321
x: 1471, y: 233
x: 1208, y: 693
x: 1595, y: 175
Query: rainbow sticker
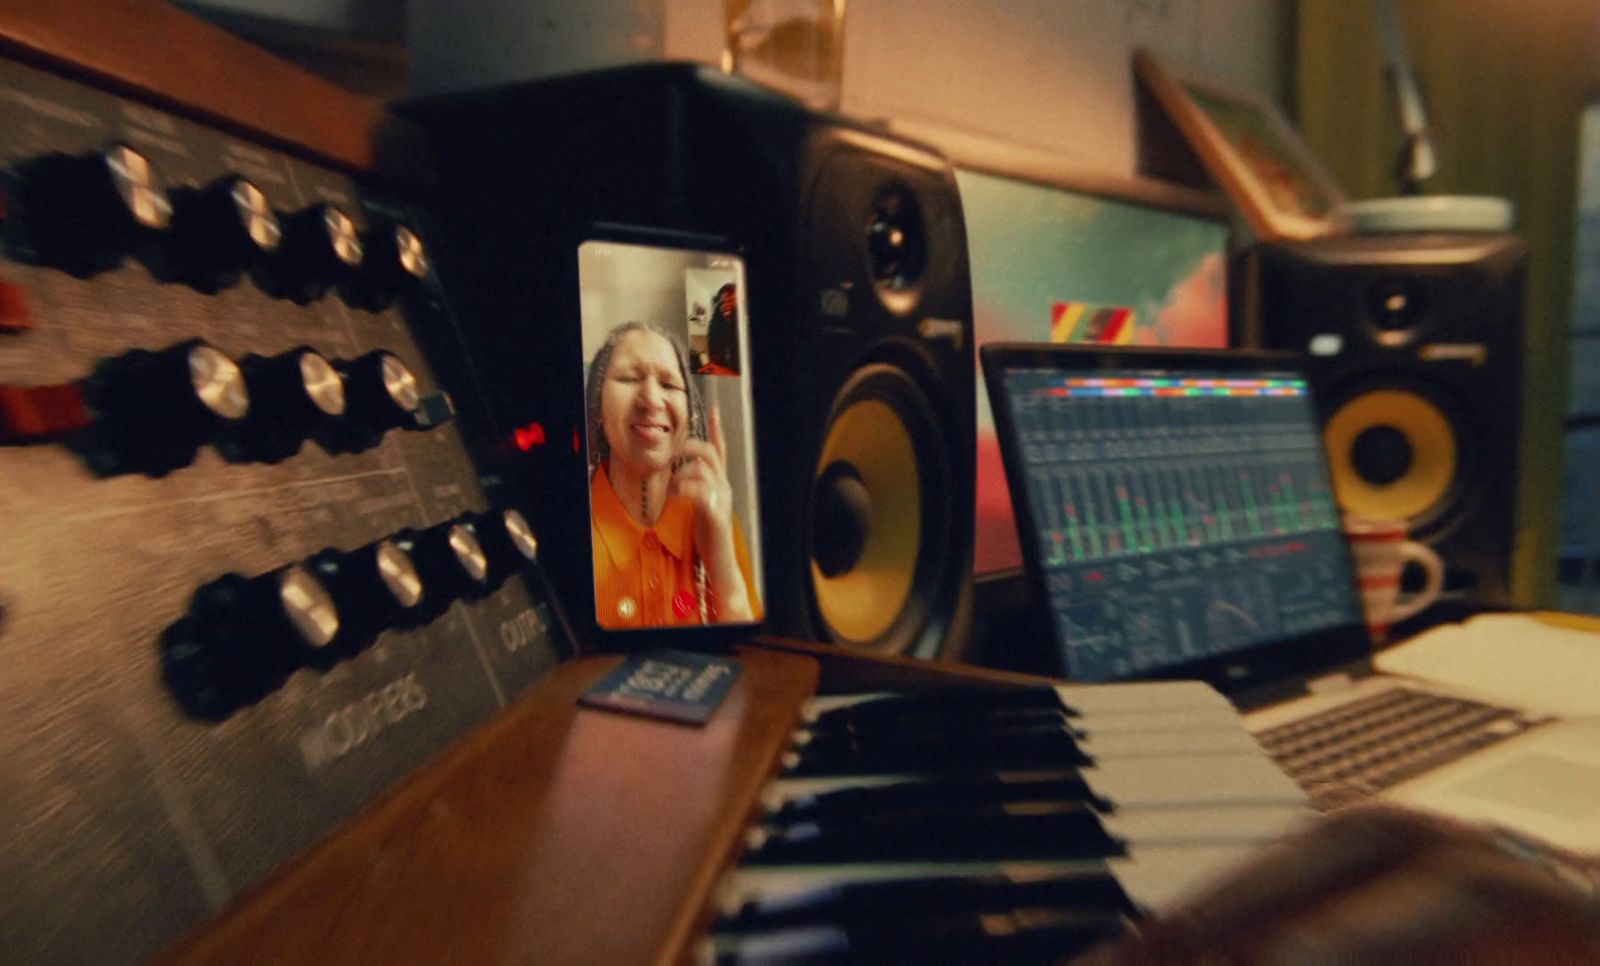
x: 1086, y: 322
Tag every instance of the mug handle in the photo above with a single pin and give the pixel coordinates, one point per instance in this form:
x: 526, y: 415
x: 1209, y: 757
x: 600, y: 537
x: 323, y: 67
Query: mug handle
x: 1432, y: 586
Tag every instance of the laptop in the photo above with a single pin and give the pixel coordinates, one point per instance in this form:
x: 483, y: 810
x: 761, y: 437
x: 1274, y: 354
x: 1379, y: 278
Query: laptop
x: 1178, y: 520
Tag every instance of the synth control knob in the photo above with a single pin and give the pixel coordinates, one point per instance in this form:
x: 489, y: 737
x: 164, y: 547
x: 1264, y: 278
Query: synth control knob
x: 451, y: 563
x: 381, y: 393
x: 321, y: 249
x: 375, y: 588
x: 295, y: 396
x: 394, y: 261
x: 243, y: 636
x: 85, y: 213
x: 154, y: 409
x: 508, y: 542
x: 218, y: 232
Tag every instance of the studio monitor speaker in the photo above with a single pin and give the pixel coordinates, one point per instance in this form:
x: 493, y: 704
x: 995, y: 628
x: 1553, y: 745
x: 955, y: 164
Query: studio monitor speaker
x: 1415, y: 343
x: 859, y: 304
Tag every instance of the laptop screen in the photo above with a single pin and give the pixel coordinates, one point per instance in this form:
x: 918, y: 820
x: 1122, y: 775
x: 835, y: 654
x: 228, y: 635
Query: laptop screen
x: 1176, y: 509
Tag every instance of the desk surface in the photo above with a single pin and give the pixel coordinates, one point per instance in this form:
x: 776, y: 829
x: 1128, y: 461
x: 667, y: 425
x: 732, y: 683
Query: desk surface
x: 541, y: 849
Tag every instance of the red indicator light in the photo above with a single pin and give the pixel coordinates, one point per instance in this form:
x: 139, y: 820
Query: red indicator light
x: 529, y: 436
x: 15, y: 313
x: 30, y: 413
x: 577, y: 447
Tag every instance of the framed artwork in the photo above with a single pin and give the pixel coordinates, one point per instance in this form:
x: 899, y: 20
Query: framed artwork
x: 1252, y: 152
x: 1057, y: 260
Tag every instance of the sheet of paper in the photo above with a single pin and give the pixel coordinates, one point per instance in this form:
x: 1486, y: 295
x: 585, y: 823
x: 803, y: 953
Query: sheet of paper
x: 1530, y: 661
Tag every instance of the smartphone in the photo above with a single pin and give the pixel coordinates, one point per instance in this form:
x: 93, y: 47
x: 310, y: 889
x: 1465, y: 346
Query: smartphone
x: 668, y: 435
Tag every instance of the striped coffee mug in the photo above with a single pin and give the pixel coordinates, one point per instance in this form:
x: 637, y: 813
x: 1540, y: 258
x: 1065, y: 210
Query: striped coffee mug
x: 1381, y: 549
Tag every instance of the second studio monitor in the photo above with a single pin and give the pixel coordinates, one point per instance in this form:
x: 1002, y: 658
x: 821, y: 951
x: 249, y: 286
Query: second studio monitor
x: 859, y: 320
x: 1415, y: 347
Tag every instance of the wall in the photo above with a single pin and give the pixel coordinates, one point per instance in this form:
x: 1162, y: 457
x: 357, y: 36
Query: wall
x: 1050, y: 75
x: 1053, y: 75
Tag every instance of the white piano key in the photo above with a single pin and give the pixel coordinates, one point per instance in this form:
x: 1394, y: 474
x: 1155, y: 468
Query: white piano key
x: 822, y: 704
x: 1247, y: 777
x: 1207, y: 825
x: 1244, y: 777
x: 765, y: 882
x: 1104, y: 744
x: 1130, y: 698
x: 1142, y: 696
x: 1159, y: 877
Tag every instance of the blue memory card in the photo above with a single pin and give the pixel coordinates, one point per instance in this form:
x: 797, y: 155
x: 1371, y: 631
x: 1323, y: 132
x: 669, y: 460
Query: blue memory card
x: 663, y: 683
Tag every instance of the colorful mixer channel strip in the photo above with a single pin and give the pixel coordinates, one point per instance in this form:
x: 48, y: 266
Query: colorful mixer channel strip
x: 1092, y: 386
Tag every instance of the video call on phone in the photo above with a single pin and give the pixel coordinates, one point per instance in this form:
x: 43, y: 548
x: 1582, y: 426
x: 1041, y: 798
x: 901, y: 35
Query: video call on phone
x: 666, y: 398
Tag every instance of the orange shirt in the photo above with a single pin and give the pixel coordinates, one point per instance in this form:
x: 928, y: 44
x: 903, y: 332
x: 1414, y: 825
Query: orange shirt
x: 644, y: 576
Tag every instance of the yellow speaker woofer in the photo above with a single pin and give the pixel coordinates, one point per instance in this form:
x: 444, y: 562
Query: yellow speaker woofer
x: 877, y: 540
x: 862, y: 602
x: 1426, y: 480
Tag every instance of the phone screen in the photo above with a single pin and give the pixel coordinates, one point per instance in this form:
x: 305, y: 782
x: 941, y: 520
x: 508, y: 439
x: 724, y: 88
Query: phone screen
x: 673, y: 503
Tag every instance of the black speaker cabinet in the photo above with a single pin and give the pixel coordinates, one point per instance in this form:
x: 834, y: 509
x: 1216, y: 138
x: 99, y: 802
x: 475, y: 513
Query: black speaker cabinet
x: 859, y: 304
x: 1415, y: 343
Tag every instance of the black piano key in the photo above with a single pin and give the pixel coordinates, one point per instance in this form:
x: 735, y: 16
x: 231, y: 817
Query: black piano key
x: 1012, y: 936
x: 950, y: 702
x: 955, y: 790
x: 880, y: 900
x: 813, y: 945
x: 929, y: 814
x: 935, y: 721
x: 851, y: 742
x: 1010, y: 831
x: 1042, y: 748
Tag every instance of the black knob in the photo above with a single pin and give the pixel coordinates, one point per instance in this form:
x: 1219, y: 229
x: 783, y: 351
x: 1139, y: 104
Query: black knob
x: 451, y: 563
x: 243, y: 636
x: 85, y: 213
x: 508, y: 543
x: 394, y: 261
x: 321, y: 249
x: 374, y: 588
x: 294, y: 397
x: 154, y: 409
x: 217, y: 233
x: 381, y: 394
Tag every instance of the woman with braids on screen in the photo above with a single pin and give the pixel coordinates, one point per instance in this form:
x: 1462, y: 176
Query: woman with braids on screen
x: 667, y: 547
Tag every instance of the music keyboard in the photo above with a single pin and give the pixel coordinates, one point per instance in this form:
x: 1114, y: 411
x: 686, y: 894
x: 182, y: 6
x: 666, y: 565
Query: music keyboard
x: 562, y: 834
x: 1037, y: 827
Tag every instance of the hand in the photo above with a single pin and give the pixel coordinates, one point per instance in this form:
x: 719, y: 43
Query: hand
x: 702, y: 478
x: 1373, y: 883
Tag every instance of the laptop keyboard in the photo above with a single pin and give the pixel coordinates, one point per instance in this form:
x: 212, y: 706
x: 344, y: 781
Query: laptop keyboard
x: 1365, y: 746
